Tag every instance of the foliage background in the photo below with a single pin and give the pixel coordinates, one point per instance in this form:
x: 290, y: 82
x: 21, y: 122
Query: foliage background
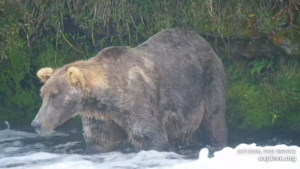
x: 257, y: 40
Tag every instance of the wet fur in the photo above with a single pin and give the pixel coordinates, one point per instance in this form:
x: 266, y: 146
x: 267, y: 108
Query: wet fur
x: 166, y: 89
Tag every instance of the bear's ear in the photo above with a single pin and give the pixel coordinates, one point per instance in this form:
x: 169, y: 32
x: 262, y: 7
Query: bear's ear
x: 44, y: 74
x: 76, y: 77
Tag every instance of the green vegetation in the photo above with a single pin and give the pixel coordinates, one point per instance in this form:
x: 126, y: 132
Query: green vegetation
x: 263, y: 94
x: 263, y: 87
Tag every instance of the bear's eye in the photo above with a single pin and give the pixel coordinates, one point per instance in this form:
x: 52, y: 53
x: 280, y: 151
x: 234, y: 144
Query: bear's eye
x: 53, y: 95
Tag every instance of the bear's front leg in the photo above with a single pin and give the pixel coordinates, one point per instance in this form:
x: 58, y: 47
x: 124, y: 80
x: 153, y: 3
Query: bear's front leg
x: 147, y: 133
x: 101, y: 136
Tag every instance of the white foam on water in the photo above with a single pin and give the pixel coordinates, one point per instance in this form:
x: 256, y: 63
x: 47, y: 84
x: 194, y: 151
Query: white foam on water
x: 113, y: 160
x: 15, y: 153
x: 247, y: 157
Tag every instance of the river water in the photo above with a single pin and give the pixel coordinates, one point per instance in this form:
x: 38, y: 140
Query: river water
x: 22, y: 149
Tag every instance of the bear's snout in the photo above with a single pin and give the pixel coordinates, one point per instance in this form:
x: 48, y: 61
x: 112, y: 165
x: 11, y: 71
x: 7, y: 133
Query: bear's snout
x: 36, y: 124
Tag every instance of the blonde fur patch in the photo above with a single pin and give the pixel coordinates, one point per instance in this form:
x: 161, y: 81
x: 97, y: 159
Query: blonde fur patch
x: 86, y: 78
x: 75, y: 76
x: 97, y: 78
x: 44, y: 74
x: 136, y: 71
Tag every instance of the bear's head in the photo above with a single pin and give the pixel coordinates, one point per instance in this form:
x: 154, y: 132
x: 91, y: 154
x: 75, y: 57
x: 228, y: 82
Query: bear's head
x: 63, y: 93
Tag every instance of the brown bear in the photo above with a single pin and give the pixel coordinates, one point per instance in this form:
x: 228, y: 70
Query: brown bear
x: 166, y: 89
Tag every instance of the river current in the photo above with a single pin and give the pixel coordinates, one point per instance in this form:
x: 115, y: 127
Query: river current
x: 22, y: 149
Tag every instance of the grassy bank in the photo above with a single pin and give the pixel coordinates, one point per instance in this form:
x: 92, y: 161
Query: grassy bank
x: 263, y: 90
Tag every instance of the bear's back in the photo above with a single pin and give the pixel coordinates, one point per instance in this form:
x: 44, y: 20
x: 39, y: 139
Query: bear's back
x: 184, y: 61
x: 187, y: 67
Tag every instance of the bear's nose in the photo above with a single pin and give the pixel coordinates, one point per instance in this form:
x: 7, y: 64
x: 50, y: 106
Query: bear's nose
x: 36, y: 124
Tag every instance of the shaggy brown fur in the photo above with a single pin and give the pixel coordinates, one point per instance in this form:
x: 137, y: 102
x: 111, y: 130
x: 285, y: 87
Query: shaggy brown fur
x: 163, y: 90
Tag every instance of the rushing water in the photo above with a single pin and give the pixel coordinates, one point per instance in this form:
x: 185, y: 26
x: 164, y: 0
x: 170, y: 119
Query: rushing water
x: 24, y: 149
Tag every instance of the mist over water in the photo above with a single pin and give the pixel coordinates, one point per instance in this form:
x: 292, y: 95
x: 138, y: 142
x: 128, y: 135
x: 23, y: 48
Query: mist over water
x: 23, y: 149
